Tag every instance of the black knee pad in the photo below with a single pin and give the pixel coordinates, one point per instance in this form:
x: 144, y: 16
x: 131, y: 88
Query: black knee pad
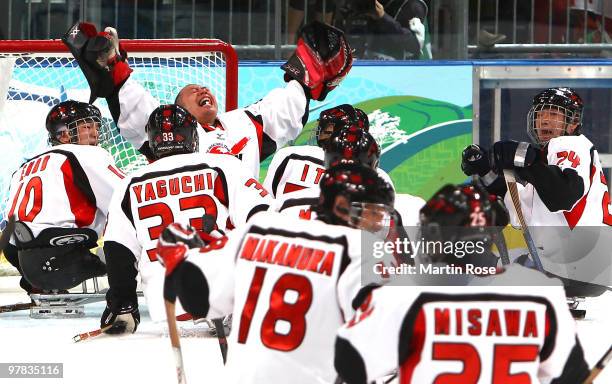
x: 192, y: 289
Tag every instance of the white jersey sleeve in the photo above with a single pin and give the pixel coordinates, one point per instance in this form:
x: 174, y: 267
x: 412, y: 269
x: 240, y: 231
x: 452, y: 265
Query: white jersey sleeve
x: 120, y: 226
x: 217, y: 266
x: 135, y: 106
x: 102, y: 173
x: 282, y: 112
x: 246, y: 194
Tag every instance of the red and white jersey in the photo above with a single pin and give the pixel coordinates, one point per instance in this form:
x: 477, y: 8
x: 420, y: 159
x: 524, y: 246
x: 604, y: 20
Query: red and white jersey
x: 578, y: 153
x: 179, y: 188
x: 300, y: 167
x: 252, y: 133
x: 289, y: 284
x: 67, y: 186
x: 295, y: 168
x: 298, y: 203
x: 496, y: 332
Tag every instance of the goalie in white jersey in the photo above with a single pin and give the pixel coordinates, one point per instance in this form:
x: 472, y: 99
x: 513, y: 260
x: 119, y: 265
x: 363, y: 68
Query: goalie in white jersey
x: 510, y: 327
x: 298, y: 167
x: 182, y: 186
x: 60, y: 202
x: 564, y: 185
x: 289, y: 283
x: 322, y: 59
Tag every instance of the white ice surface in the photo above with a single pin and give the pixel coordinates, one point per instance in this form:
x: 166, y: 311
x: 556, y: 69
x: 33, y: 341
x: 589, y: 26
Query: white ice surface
x: 146, y: 356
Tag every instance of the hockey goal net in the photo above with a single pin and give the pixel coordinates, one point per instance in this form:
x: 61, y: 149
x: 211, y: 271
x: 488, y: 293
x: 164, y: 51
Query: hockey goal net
x: 37, y: 74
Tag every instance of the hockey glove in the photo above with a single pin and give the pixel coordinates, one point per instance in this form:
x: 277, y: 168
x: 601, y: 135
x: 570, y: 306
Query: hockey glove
x: 175, y: 240
x: 321, y: 60
x: 513, y: 154
x: 122, y: 316
x: 100, y: 57
x: 475, y: 160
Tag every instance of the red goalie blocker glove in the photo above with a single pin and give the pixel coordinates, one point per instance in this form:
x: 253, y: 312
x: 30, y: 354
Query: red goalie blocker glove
x: 321, y: 60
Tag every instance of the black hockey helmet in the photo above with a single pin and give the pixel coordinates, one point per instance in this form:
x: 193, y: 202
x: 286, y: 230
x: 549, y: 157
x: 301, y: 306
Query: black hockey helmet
x: 458, y: 214
x: 172, y: 131
x: 564, y: 106
x: 352, y: 145
x: 67, y: 116
x: 339, y: 117
x: 367, y: 195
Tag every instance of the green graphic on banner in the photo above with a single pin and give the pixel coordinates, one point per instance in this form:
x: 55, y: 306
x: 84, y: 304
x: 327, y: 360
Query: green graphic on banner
x: 421, y: 140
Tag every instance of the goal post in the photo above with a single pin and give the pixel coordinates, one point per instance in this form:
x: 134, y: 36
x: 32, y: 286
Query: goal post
x: 37, y: 74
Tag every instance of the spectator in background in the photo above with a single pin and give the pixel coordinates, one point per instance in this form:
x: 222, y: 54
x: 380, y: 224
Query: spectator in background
x: 296, y: 14
x: 386, y: 29
x: 589, y: 13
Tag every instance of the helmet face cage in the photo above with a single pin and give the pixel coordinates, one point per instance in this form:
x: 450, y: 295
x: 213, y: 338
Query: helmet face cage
x: 81, y: 121
x: 546, y: 121
x: 553, y: 110
x: 87, y: 130
x: 368, y: 195
x: 371, y: 217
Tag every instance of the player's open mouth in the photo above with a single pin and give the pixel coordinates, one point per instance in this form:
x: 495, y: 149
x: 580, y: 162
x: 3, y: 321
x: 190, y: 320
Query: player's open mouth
x: 205, y: 101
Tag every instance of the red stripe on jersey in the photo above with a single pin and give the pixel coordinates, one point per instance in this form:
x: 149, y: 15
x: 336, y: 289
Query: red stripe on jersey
x: 416, y: 347
x: 12, y: 210
x: 117, y: 172
x: 290, y: 187
x: 83, y: 210
x: 259, y: 131
x: 573, y: 216
x: 220, y: 189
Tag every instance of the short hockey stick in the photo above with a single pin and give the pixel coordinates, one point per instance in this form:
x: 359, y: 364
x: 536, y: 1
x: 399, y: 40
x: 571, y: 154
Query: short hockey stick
x: 89, y: 335
x: 175, y: 341
x: 516, y: 202
x: 500, y: 243
x: 220, y: 332
x: 15, y: 307
x: 601, y: 364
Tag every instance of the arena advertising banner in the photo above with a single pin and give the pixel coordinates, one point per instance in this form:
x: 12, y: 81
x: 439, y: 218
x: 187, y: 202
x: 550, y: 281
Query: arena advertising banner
x: 421, y: 115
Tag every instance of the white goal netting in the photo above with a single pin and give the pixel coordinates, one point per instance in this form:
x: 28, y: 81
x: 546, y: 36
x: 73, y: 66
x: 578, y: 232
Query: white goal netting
x: 31, y: 83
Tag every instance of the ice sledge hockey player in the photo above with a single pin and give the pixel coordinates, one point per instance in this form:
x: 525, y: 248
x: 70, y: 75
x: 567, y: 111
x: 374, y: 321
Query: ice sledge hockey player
x: 513, y: 326
x: 321, y: 61
x: 289, y: 282
x: 60, y: 201
x: 563, y: 187
x: 181, y: 185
